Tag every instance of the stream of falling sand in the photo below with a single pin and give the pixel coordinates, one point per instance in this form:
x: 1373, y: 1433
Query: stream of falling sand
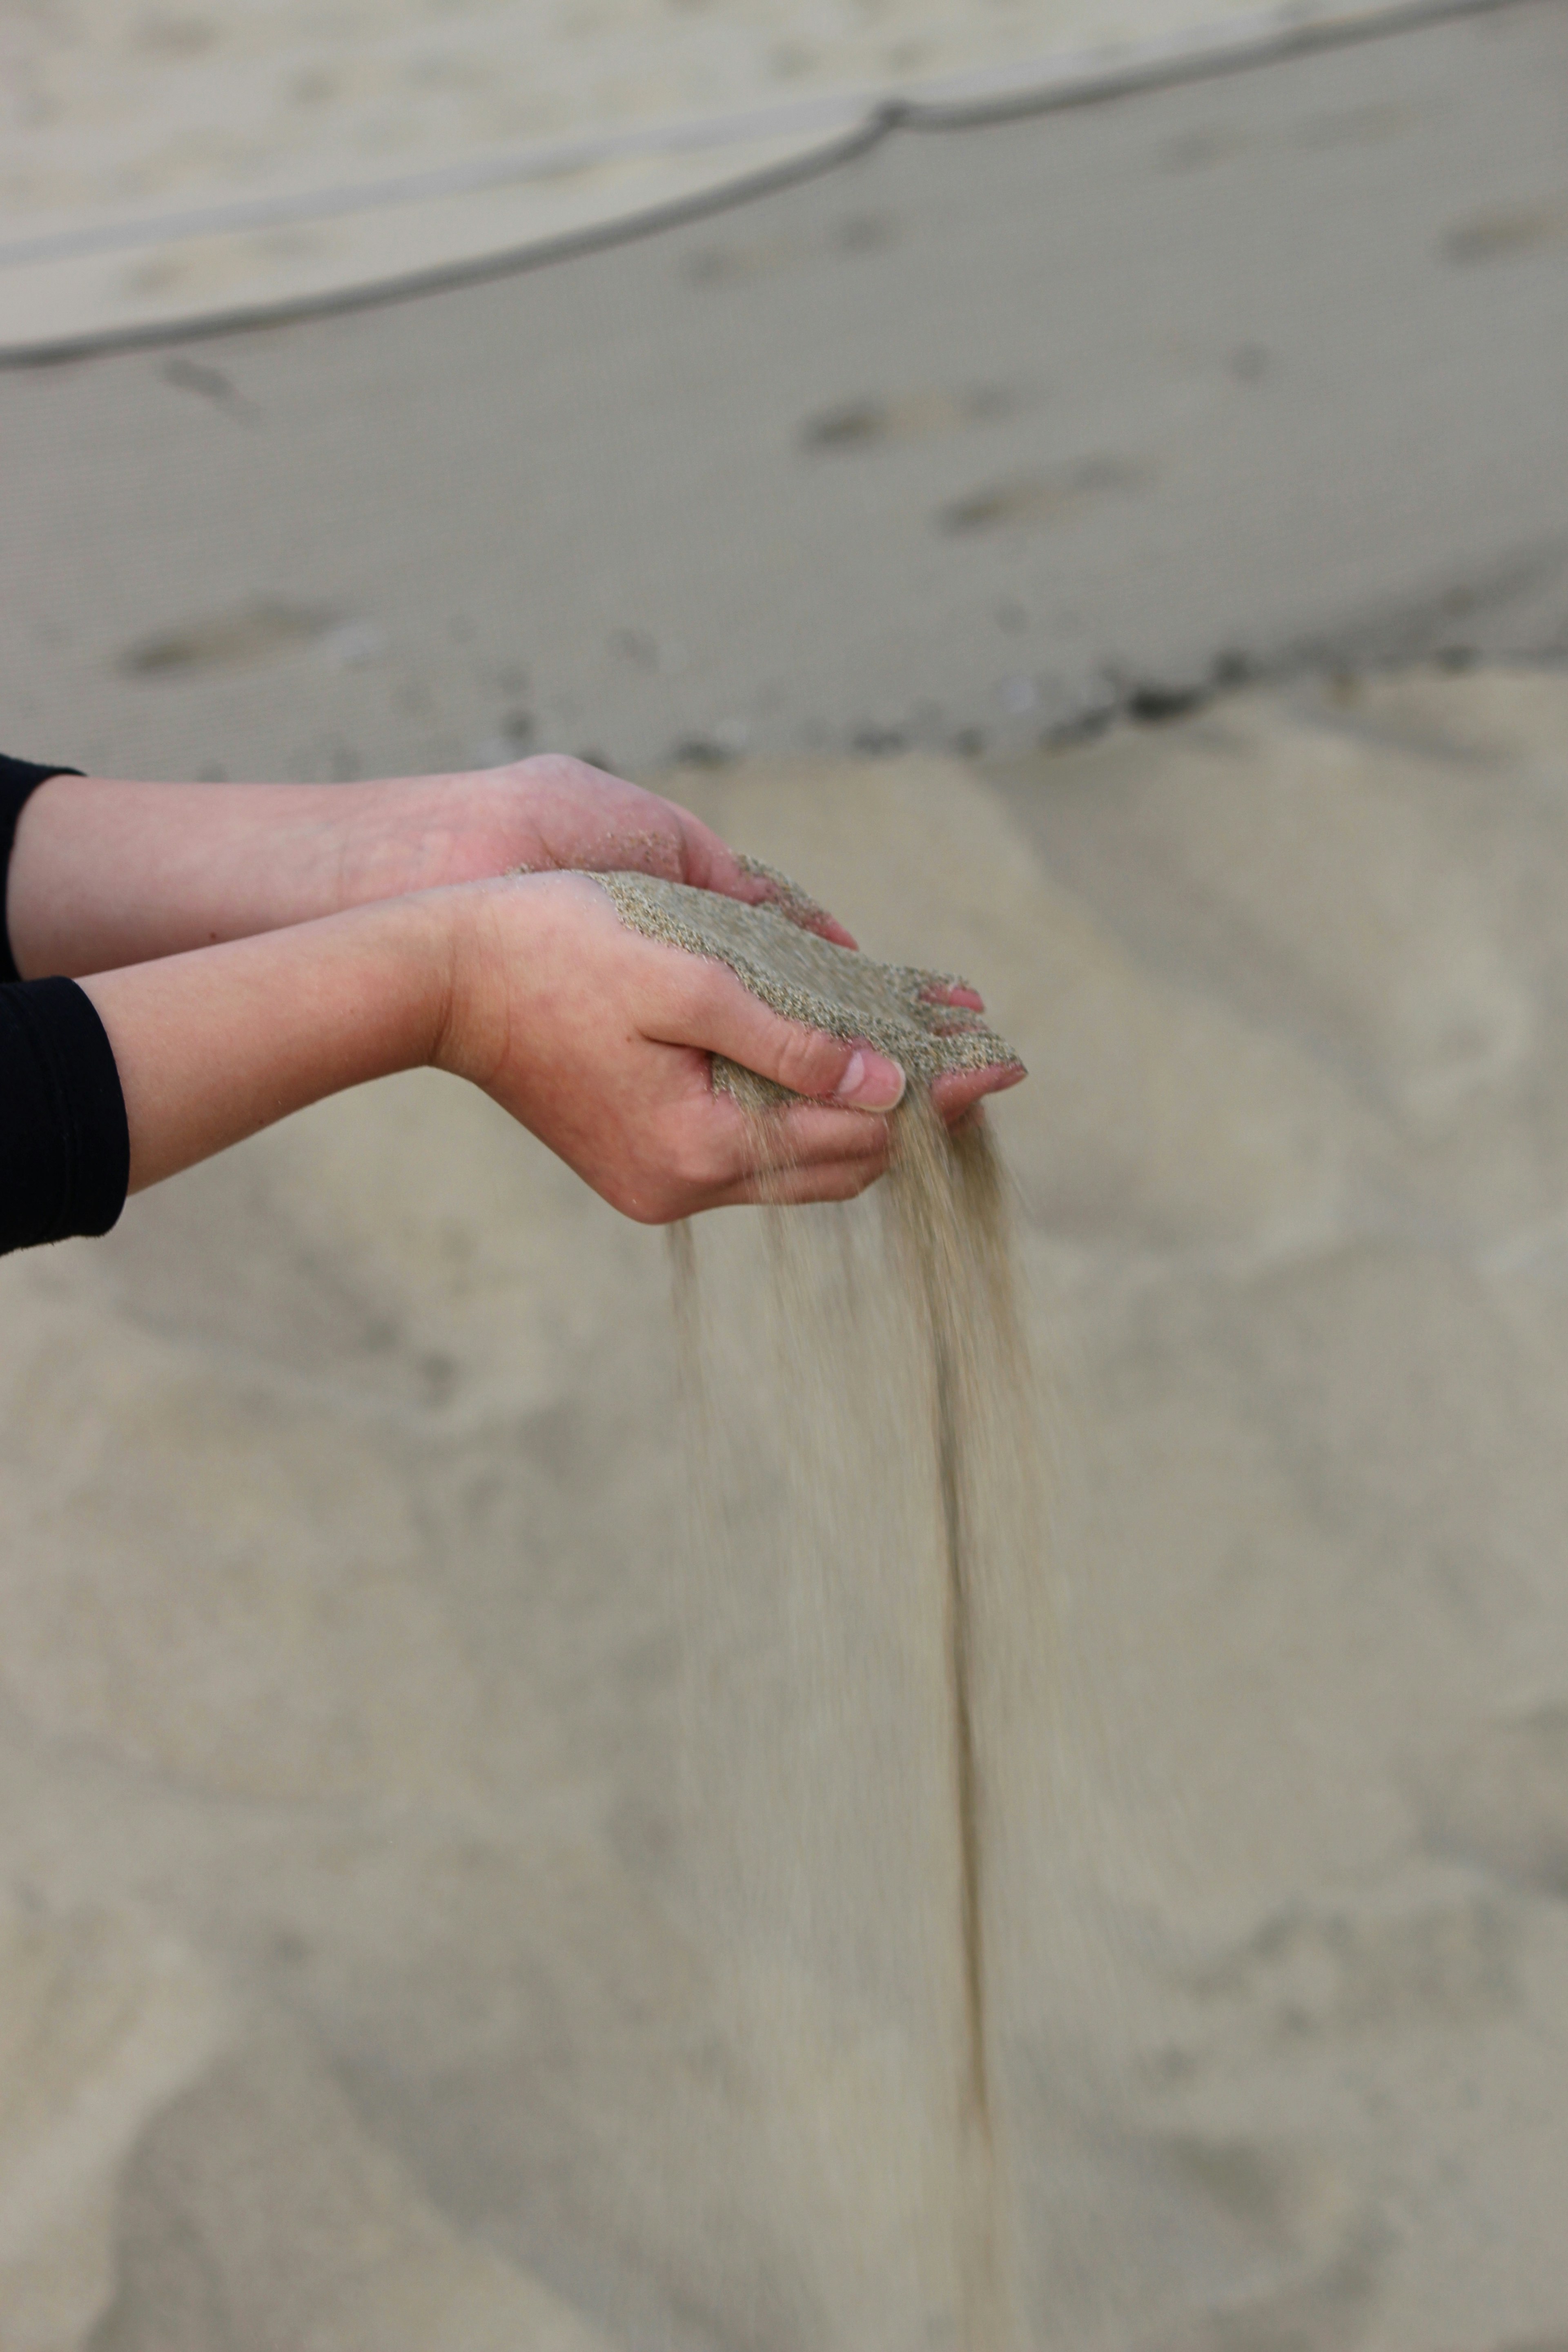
x: 904, y: 1362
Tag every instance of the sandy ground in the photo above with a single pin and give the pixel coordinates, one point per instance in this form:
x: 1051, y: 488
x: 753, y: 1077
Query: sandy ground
x: 156, y: 161
x: 360, y: 1980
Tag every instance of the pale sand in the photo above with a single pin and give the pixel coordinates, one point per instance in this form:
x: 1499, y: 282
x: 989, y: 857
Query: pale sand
x: 857, y: 1832
x: 897, y: 1008
x: 369, y: 1974
x: 384, y: 137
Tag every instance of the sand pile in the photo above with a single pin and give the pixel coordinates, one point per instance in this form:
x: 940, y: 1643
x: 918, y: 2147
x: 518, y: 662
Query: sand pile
x: 443, y: 1903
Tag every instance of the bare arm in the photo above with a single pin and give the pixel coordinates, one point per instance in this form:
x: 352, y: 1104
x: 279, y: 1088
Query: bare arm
x: 108, y: 874
x: 217, y: 1042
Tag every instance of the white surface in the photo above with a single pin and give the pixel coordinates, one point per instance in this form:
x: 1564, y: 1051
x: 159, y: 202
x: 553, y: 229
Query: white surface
x: 160, y: 163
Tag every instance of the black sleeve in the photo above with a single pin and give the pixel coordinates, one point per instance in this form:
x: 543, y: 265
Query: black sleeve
x: 65, y: 1152
x: 18, y: 778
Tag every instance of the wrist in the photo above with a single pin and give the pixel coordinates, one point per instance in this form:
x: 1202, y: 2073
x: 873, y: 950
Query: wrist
x: 424, y: 833
x: 404, y: 955
x: 472, y: 1033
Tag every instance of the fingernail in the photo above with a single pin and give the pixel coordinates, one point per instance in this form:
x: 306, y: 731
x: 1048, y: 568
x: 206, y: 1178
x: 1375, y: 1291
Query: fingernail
x: 871, y: 1082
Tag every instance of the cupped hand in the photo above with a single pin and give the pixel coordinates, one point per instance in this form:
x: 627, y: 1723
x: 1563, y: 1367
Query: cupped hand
x: 600, y: 1040
x: 547, y: 813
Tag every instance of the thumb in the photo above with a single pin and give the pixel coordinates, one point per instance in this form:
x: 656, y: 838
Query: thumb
x: 847, y: 1073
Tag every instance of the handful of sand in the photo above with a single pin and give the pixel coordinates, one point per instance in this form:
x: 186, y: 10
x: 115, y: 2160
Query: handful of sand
x: 897, y: 1008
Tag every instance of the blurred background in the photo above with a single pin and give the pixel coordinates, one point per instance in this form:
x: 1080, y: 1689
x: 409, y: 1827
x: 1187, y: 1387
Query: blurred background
x: 1086, y: 489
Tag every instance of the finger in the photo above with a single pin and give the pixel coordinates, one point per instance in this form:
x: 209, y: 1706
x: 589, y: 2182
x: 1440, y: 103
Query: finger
x: 707, y: 1007
x: 767, y: 887
x: 812, y: 1139
x: 956, y: 991
x: 712, y: 865
x: 809, y: 1137
x: 955, y: 1093
x: 837, y: 1180
x: 728, y: 1147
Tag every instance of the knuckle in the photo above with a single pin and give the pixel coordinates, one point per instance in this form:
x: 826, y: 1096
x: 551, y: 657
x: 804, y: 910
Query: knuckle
x: 854, y: 1179
x: 705, y: 990
x: 561, y: 768
x: 643, y: 1207
x: 689, y: 992
x: 697, y: 1160
x: 649, y: 1195
x: 809, y: 1063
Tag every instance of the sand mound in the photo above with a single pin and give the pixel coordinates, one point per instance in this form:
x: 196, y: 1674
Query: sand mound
x: 374, y: 1855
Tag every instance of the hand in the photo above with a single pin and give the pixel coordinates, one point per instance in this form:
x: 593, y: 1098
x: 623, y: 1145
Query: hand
x: 600, y: 1040
x: 539, y: 815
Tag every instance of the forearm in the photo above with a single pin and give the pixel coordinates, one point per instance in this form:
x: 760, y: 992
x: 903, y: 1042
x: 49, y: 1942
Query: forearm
x: 217, y: 1043
x: 105, y: 874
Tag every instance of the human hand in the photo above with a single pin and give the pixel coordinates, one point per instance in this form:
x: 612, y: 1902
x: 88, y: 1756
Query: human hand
x: 547, y: 813
x: 600, y: 1040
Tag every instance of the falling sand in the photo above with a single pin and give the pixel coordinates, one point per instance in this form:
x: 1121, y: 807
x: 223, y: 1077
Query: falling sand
x: 899, y: 1380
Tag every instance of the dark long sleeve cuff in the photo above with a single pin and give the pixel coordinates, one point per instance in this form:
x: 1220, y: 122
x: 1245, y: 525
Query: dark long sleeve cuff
x: 18, y: 780
x: 65, y: 1149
